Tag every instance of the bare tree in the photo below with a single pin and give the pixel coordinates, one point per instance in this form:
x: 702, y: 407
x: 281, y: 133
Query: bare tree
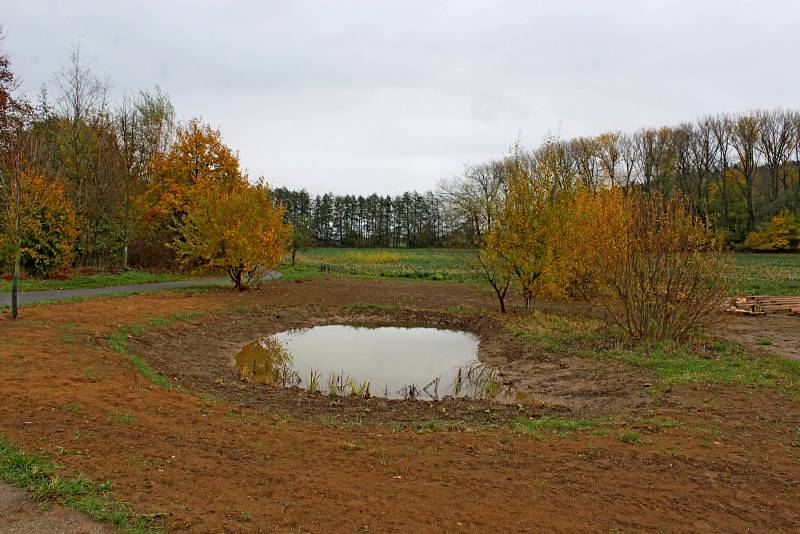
x: 609, y: 156
x: 776, y: 134
x: 744, y: 139
x: 474, y: 195
x: 704, y: 158
x: 721, y: 127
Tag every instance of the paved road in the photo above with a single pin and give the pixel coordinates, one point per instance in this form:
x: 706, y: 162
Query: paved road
x: 26, y: 297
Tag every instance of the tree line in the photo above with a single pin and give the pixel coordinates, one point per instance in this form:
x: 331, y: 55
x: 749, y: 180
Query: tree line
x: 738, y: 171
x: 411, y: 219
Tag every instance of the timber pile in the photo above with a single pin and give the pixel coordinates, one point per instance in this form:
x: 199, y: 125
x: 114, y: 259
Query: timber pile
x: 759, y: 305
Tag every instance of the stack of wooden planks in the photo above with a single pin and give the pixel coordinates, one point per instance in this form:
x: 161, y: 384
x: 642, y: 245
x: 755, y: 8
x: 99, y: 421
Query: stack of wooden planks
x: 757, y: 305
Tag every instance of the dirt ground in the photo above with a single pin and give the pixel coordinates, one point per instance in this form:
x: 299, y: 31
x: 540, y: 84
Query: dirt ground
x: 20, y: 515
x: 239, y: 458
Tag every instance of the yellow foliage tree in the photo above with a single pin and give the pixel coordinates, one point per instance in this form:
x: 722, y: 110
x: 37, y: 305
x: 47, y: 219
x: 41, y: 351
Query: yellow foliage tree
x: 38, y: 224
x: 528, y: 232
x: 781, y: 234
x: 233, y: 228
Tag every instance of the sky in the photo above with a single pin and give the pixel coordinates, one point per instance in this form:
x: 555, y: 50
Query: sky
x: 388, y: 96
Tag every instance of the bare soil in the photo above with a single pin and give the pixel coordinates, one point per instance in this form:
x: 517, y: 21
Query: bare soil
x: 20, y: 515
x: 249, y: 459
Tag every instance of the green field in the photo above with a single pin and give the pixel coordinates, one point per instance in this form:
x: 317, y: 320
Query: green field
x: 425, y: 264
x: 763, y: 274
x: 766, y: 274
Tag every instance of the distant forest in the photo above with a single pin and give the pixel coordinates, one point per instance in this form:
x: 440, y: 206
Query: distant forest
x: 408, y: 220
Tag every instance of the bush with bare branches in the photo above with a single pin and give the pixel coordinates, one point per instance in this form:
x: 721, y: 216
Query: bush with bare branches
x: 656, y: 267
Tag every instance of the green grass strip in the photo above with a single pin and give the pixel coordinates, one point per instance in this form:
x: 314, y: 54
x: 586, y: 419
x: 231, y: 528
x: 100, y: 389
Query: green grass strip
x: 118, y: 341
x: 38, y: 476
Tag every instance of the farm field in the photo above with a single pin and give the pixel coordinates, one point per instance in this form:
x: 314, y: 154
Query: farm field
x: 129, y: 410
x: 751, y: 274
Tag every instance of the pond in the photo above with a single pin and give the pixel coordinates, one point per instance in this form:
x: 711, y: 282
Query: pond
x: 391, y: 362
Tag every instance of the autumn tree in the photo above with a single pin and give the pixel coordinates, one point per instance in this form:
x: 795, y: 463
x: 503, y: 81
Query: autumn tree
x: 14, y: 113
x: 521, y: 236
x: 197, y: 160
x: 781, y: 234
x: 238, y: 229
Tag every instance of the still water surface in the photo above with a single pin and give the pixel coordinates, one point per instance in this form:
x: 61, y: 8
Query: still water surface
x: 393, y: 362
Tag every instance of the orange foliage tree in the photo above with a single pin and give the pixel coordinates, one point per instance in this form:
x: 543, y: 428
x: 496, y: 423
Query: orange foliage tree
x: 655, y: 266
x: 197, y: 161
x: 527, y: 234
x: 237, y: 229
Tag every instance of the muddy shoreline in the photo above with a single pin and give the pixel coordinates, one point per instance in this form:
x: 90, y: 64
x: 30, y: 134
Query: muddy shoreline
x: 198, y: 355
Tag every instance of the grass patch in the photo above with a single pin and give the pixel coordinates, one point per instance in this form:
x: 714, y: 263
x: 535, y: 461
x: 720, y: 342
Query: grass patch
x: 420, y: 264
x: 549, y: 424
x: 38, y: 476
x: 73, y: 407
x: 703, y: 361
x: 435, y: 425
x: 766, y: 274
x: 632, y: 437
x: 118, y: 341
x: 121, y: 418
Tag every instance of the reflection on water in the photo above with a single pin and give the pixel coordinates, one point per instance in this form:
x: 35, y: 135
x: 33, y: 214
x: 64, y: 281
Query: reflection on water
x: 391, y: 362
x: 265, y: 362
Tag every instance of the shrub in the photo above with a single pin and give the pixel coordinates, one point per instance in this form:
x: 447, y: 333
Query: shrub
x: 781, y: 234
x: 47, y: 231
x: 655, y: 267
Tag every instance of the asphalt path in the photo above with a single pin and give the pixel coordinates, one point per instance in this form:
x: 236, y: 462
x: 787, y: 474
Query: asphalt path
x: 28, y: 297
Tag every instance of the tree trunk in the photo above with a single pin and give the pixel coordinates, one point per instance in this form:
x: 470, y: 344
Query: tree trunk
x: 15, y: 284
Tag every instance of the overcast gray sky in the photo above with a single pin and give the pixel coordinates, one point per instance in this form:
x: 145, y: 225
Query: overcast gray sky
x: 378, y: 96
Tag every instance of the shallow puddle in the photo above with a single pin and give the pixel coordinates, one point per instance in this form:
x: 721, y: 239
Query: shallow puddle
x: 392, y: 362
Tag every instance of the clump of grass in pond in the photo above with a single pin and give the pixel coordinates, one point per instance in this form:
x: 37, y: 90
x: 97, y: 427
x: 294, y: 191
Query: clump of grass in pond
x: 432, y: 388
x: 358, y: 389
x: 492, y: 386
x: 459, y: 380
x: 314, y: 381
x: 333, y: 385
x: 479, y: 381
x: 764, y: 341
